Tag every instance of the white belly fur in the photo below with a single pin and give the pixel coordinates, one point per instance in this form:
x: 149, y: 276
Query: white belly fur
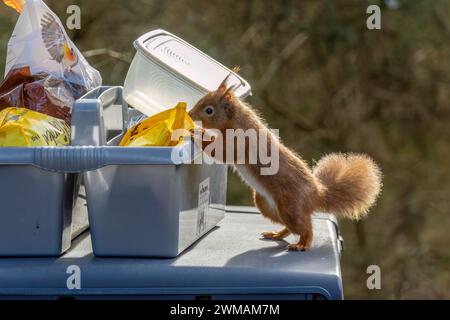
x: 252, y: 181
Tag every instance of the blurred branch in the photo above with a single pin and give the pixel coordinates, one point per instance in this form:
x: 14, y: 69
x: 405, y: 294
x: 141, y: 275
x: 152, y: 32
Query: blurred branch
x: 247, y: 14
x: 125, y: 57
x: 441, y: 22
x: 285, y: 54
x: 249, y: 34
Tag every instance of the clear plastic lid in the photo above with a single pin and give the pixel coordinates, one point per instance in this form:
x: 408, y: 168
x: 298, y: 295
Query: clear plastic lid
x: 187, y: 62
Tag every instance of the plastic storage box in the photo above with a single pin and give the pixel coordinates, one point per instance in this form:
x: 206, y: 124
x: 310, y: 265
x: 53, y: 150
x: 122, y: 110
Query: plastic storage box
x: 166, y: 68
x: 152, y: 202
x: 38, y: 191
x: 143, y: 201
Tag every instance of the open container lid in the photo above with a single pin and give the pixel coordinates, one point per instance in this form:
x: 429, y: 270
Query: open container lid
x: 187, y: 63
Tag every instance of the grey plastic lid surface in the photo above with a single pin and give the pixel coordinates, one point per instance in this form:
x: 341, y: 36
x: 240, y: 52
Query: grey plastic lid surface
x: 230, y: 260
x: 188, y: 62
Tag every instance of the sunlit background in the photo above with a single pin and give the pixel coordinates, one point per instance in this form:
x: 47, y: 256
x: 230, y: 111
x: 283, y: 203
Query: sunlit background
x: 329, y: 84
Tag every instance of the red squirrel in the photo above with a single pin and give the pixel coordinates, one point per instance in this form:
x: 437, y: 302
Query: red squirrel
x: 346, y: 185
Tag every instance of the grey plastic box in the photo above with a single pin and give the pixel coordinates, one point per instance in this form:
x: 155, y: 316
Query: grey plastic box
x: 141, y: 201
x: 231, y: 262
x: 37, y: 196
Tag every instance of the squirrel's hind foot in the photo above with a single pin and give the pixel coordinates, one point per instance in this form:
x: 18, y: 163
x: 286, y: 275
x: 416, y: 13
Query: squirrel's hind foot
x: 302, y: 245
x: 298, y: 247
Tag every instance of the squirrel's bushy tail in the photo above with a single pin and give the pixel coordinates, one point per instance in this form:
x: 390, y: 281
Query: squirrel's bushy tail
x: 352, y: 183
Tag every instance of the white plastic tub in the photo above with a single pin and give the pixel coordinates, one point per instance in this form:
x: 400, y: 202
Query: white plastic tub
x: 166, y: 68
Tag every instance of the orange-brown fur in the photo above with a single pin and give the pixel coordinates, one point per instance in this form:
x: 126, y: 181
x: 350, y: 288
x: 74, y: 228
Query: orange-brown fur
x: 344, y: 184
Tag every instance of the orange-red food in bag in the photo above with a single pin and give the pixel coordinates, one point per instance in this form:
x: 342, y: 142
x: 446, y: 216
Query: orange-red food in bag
x: 40, y: 92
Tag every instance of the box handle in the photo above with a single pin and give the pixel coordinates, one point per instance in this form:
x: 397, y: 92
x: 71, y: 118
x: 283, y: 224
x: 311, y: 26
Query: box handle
x: 69, y: 159
x: 75, y: 159
x: 88, y: 127
x: 57, y: 159
x: 87, y: 158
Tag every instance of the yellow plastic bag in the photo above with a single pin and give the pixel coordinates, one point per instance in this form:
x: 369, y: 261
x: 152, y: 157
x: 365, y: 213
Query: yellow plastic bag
x: 20, y: 127
x: 158, y: 129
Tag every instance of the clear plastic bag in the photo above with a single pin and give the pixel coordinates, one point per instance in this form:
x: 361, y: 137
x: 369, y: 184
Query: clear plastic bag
x: 44, y: 71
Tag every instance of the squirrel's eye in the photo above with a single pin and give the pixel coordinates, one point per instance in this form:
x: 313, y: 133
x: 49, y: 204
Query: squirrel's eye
x: 209, y: 111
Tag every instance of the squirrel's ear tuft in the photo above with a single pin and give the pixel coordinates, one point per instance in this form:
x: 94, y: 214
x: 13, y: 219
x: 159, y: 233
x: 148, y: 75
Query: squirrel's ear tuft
x: 223, y: 86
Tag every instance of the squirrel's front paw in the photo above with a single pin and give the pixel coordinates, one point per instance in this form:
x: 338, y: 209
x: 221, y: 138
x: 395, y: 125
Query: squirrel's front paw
x: 268, y: 235
x: 271, y: 235
x: 280, y: 235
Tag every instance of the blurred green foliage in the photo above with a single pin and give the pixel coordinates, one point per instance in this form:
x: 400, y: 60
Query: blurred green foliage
x: 330, y: 85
